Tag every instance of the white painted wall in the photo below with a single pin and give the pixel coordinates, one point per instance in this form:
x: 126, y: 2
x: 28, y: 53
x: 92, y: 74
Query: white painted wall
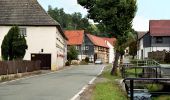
x: 160, y: 48
x: 111, y: 52
x: 45, y: 38
x: 148, y: 49
x: 140, y: 48
x: 145, y: 52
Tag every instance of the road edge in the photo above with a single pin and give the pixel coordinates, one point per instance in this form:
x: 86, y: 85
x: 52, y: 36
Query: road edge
x: 27, y: 77
x: 77, y: 96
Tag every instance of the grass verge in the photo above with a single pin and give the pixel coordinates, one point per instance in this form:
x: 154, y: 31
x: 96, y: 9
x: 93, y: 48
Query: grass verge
x: 110, y: 89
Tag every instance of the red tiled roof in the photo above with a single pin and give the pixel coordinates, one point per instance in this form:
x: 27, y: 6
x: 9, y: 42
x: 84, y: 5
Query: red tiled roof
x: 112, y: 41
x: 159, y: 27
x: 75, y: 37
x: 98, y: 41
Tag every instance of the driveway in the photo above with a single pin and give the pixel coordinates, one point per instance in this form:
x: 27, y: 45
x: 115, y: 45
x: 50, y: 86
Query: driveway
x: 61, y: 85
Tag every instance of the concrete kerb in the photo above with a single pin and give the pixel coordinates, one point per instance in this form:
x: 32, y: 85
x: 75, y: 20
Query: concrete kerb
x: 77, y: 96
x: 10, y: 81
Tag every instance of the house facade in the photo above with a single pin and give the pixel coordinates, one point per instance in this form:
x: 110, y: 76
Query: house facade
x: 156, y: 39
x: 111, y: 43
x: 76, y: 39
x: 44, y: 35
x: 91, y: 46
x: 96, y: 48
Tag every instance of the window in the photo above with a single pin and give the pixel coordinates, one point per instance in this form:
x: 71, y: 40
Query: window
x: 23, y: 32
x: 77, y: 47
x: 87, y: 47
x: 159, y: 40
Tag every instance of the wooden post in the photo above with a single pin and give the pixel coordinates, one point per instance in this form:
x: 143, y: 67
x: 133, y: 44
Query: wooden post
x: 123, y: 71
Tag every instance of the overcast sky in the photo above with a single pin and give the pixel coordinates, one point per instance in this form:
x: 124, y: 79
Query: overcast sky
x: 147, y: 10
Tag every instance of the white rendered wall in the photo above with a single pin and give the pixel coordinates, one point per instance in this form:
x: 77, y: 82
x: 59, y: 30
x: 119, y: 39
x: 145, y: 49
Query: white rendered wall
x: 41, y: 38
x: 140, y: 48
x: 111, y: 52
x: 160, y: 48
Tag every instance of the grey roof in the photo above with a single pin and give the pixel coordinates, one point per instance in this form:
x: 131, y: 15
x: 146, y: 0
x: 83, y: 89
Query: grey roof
x: 141, y: 34
x: 24, y: 12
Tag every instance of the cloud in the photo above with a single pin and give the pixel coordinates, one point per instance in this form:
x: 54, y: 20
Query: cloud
x: 141, y: 23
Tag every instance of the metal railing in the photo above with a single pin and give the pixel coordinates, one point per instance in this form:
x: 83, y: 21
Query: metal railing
x: 132, y: 80
x: 147, y: 62
x: 141, y: 68
x: 140, y: 73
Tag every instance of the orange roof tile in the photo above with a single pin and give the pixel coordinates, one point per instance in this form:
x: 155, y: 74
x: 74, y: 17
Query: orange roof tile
x: 75, y: 37
x: 98, y: 41
x: 112, y: 41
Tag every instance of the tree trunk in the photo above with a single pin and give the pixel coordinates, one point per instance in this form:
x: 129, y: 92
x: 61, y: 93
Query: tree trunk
x: 115, y: 64
x: 121, y: 59
x: 133, y: 56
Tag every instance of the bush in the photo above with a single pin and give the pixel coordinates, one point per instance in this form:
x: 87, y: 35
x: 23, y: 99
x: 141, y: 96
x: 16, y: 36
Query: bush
x: 72, y: 53
x: 154, y: 87
x: 14, y: 45
x: 167, y: 58
x: 87, y: 59
x: 75, y: 62
x: 83, y: 63
x: 67, y: 63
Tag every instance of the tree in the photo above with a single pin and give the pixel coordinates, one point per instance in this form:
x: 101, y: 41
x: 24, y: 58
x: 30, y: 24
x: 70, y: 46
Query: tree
x: 14, y: 45
x: 116, y: 16
x: 133, y: 49
x: 72, y: 54
x: 133, y: 44
x: 73, y: 21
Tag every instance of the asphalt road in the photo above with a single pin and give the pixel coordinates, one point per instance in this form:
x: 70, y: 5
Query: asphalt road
x: 61, y: 85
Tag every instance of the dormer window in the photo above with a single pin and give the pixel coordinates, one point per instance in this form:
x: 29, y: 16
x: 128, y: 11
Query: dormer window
x: 23, y: 32
x: 159, y: 40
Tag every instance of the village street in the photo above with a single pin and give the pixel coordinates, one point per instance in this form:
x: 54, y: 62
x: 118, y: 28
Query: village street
x: 61, y: 85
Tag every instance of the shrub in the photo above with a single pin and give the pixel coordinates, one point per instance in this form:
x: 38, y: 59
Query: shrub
x: 87, y: 59
x: 13, y: 45
x: 167, y: 58
x: 74, y: 62
x: 67, y: 63
x: 154, y: 87
x: 83, y: 63
x: 72, y: 53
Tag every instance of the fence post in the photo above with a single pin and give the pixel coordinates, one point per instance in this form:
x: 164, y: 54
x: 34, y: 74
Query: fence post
x: 131, y: 89
x: 7, y: 71
x: 26, y: 69
x: 17, y: 70
x: 156, y: 72
x: 122, y: 71
x: 160, y: 72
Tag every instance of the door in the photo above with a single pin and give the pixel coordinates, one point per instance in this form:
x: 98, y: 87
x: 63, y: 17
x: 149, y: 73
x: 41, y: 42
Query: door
x: 45, y: 60
x: 95, y: 57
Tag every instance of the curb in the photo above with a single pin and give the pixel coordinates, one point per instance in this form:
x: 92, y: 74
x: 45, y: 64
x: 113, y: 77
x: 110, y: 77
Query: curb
x: 77, y: 96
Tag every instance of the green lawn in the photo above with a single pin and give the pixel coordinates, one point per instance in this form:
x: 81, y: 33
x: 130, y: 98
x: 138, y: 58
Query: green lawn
x: 132, y: 72
x: 109, y: 90
x: 163, y: 97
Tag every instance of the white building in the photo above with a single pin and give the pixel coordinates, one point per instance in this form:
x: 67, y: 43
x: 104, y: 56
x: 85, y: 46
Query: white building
x: 110, y: 43
x: 45, y: 38
x: 156, y: 39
